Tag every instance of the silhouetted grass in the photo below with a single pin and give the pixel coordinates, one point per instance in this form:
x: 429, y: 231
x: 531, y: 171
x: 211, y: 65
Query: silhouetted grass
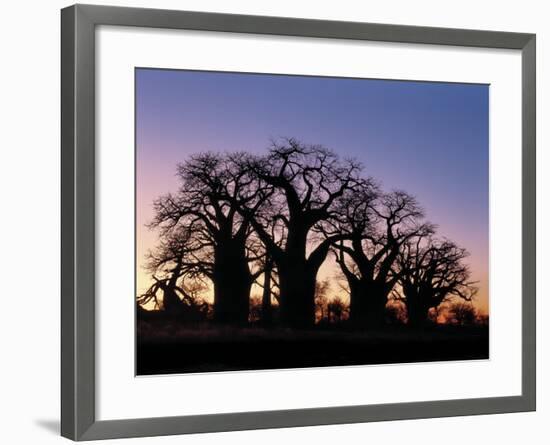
x: 169, y: 347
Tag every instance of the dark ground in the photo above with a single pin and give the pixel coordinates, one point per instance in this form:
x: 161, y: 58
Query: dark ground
x: 168, y: 348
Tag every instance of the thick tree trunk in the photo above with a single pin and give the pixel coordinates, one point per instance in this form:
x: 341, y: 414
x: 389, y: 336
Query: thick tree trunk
x: 267, y: 310
x: 417, y: 313
x: 368, y: 306
x: 297, y: 280
x: 232, y: 283
x: 357, y: 309
x: 171, y: 302
x: 297, y: 294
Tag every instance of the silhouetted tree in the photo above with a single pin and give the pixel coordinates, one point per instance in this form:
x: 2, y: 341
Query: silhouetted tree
x: 238, y: 216
x: 336, y: 310
x: 395, y: 314
x: 462, y: 314
x: 432, y: 271
x: 321, y: 300
x: 207, y: 180
x: 255, y: 312
x: 482, y: 319
x: 267, y: 309
x: 306, y: 182
x: 171, y: 264
x: 377, y: 226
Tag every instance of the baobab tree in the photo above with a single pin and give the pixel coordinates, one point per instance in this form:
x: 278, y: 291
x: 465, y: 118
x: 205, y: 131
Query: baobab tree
x: 207, y: 181
x: 306, y: 182
x: 171, y: 264
x: 377, y: 226
x: 431, y: 272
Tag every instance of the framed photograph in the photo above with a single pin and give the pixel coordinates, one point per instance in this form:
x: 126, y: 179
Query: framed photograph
x: 272, y: 222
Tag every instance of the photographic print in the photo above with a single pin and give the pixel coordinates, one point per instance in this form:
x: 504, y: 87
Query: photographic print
x: 287, y: 221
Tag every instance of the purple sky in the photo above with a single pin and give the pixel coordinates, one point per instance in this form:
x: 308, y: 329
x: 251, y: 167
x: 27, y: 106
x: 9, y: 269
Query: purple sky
x: 430, y: 139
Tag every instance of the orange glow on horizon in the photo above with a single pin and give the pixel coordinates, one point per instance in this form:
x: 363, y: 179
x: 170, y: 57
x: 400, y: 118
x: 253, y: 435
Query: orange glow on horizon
x: 329, y: 271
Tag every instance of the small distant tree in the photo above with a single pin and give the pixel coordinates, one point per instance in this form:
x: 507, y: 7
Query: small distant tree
x: 433, y: 315
x: 321, y: 300
x: 395, y: 314
x: 482, y: 319
x: 336, y: 310
x: 462, y: 313
x: 255, y: 311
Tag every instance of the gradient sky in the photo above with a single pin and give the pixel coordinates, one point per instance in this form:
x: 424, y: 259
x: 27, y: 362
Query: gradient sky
x: 430, y: 139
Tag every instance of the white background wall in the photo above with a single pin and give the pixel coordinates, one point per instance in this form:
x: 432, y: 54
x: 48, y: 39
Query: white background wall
x: 29, y: 219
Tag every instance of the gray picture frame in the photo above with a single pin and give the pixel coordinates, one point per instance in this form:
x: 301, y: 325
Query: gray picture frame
x: 78, y: 419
